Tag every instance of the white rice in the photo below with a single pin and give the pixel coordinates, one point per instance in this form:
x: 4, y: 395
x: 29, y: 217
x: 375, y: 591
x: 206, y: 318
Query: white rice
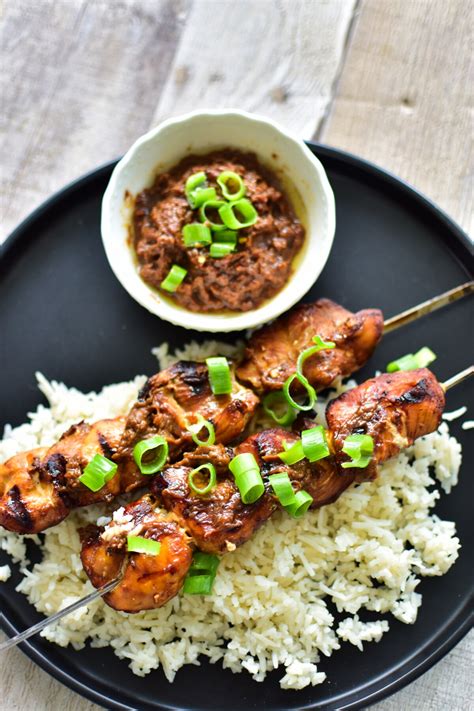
x: 273, y: 598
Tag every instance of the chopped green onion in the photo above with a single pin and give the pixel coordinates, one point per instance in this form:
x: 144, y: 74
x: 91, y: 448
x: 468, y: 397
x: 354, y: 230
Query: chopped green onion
x: 231, y: 184
x: 221, y: 249
x: 195, y: 185
x: 202, y: 490
x: 295, y: 503
x: 310, y: 391
x: 275, y: 399
x: 281, y: 485
x: 198, y: 584
x: 360, y: 448
x: 98, y: 472
x: 174, y: 278
x: 205, y: 561
x: 314, y: 444
x: 293, y: 453
x: 204, y: 214
x: 301, y: 504
x: 138, y: 544
x: 308, y: 352
x: 411, y: 361
x: 244, y: 208
x: 219, y: 375
x: 201, y: 574
x: 247, y: 477
x: 195, y: 430
x: 156, y: 445
x: 195, y: 180
x: 196, y: 233
x: 198, y: 197
x: 227, y: 236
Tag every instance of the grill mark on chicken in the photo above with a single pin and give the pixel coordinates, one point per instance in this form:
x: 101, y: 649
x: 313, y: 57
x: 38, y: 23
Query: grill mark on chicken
x: 18, y: 510
x: 107, y: 449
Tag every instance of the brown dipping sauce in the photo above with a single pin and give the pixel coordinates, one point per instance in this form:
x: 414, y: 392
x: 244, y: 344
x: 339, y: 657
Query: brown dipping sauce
x: 240, y: 281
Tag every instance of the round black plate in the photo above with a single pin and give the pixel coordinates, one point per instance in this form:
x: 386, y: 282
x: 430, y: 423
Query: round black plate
x: 63, y: 313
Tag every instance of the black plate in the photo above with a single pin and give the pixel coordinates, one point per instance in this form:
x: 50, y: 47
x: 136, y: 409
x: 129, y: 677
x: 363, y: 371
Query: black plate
x: 64, y: 313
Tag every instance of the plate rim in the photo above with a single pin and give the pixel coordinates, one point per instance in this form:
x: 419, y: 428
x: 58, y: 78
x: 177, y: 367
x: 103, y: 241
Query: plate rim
x: 410, y: 669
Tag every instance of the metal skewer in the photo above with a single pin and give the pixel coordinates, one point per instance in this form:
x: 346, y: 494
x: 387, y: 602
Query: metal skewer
x: 21, y: 636
x: 447, y: 385
x: 427, y: 307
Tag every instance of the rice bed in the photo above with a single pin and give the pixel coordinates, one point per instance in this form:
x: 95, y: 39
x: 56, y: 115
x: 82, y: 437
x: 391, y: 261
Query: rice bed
x: 269, y: 606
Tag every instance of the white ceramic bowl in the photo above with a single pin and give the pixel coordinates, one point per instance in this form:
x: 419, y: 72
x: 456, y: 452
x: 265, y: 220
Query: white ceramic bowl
x: 300, y: 172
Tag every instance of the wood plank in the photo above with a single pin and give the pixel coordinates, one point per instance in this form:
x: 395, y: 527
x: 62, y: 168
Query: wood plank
x: 404, y: 98
x: 82, y: 84
x: 278, y: 59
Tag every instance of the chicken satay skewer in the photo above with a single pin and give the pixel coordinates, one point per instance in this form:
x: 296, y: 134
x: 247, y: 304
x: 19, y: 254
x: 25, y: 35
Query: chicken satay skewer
x: 427, y: 307
x: 272, y: 351
x: 173, y: 531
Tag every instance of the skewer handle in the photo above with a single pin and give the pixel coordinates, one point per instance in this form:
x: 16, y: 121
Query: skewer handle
x: 427, y: 307
x: 21, y: 636
x: 458, y: 378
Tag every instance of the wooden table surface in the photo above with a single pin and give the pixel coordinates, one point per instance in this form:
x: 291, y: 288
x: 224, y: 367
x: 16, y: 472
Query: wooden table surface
x: 390, y: 80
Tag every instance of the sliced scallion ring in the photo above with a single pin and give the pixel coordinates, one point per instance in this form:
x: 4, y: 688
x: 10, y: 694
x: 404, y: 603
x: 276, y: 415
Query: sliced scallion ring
x: 308, y: 352
x: 196, y: 233
x: 238, y: 215
x: 221, y: 249
x: 198, y: 584
x: 314, y: 444
x: 232, y: 185
x: 196, y: 429
x: 213, y: 220
x: 201, y: 574
x: 301, y: 504
x: 219, y: 375
x: 227, y: 236
x: 360, y: 447
x: 310, y: 391
x: 195, y: 180
x: 157, y: 446
x: 174, y: 278
x: 203, y: 490
x: 247, y: 477
x: 138, y: 544
x: 281, y: 485
x: 199, y: 196
x: 293, y: 453
x: 412, y: 361
x: 273, y: 405
x: 98, y: 472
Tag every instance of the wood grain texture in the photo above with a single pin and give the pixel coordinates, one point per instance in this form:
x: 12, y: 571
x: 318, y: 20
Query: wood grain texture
x: 81, y: 79
x: 79, y: 84
x: 404, y: 98
x: 280, y: 59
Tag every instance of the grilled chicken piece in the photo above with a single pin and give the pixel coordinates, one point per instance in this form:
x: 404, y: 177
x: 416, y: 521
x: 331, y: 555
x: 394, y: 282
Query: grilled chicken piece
x: 28, y: 502
x: 218, y: 521
x: 393, y: 408
x: 271, y: 354
x: 38, y: 489
x: 320, y: 479
x: 170, y: 401
x: 149, y: 581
